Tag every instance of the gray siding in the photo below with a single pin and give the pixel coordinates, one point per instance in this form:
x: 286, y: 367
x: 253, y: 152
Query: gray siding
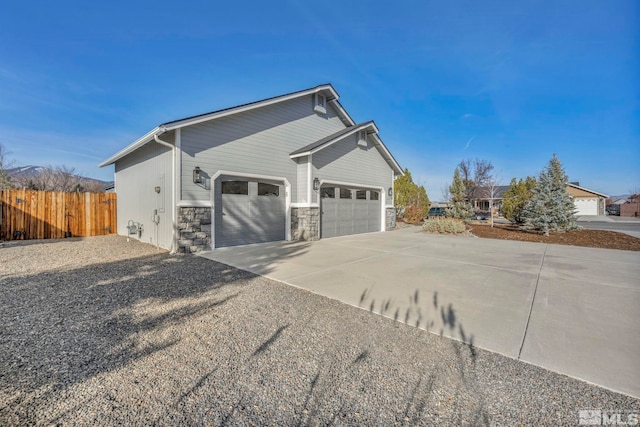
x: 345, y: 161
x: 136, y: 177
x: 303, y: 170
x: 257, y: 142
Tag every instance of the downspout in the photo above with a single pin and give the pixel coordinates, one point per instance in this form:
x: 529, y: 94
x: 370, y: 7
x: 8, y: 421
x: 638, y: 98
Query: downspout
x: 173, y: 185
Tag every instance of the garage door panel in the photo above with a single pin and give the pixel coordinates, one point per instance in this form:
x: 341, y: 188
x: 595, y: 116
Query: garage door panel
x: 586, y: 206
x: 255, y: 217
x: 345, y: 216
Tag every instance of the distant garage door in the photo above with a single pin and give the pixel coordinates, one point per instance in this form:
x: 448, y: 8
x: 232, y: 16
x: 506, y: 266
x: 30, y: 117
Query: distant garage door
x: 586, y: 206
x: 347, y: 211
x: 248, y: 211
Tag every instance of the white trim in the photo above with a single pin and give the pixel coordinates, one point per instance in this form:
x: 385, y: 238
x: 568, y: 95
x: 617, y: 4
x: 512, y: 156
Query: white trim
x: 384, y: 147
x: 349, y: 184
x: 305, y: 205
x: 333, y: 141
x: 147, y: 137
x: 212, y: 196
x: 215, y: 115
x: 337, y: 105
x: 587, y: 190
x: 309, y: 179
x: 194, y: 204
x: 177, y: 172
x: 253, y: 105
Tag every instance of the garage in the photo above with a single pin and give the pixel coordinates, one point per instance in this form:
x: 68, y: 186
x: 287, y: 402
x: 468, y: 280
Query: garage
x: 586, y: 206
x: 249, y: 211
x: 346, y: 211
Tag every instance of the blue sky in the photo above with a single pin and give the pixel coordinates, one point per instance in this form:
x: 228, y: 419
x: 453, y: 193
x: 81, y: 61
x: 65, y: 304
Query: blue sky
x: 509, y: 82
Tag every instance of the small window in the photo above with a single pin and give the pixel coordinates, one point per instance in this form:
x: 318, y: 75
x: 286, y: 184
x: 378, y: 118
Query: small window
x: 345, y: 193
x: 328, y: 192
x: 265, y: 189
x: 235, y: 187
x: 374, y: 195
x: 361, y: 195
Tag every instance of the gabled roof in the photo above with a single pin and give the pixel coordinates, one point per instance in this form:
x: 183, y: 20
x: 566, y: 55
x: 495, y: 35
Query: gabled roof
x: 327, y: 141
x: 329, y: 91
x: 570, y: 184
x: 335, y: 137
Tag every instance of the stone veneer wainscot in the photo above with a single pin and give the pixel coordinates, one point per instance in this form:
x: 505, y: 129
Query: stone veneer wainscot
x: 194, y: 226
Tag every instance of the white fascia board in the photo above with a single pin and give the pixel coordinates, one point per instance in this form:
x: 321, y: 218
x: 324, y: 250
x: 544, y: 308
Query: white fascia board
x: 349, y: 184
x: 587, y: 190
x: 333, y: 141
x: 131, y: 147
x: 388, y: 153
x: 259, y: 104
x: 342, y: 111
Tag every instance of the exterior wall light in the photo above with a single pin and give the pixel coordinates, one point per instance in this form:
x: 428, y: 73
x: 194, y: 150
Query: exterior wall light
x: 390, y: 191
x: 197, y: 175
x: 157, y: 189
x: 316, y: 184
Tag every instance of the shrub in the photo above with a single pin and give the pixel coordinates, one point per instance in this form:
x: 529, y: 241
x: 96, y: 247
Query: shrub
x: 414, y: 214
x: 444, y: 225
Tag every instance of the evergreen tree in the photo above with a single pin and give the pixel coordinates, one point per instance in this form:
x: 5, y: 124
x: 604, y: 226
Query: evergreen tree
x: 515, y: 198
x: 458, y: 206
x: 551, y: 208
x: 408, y: 194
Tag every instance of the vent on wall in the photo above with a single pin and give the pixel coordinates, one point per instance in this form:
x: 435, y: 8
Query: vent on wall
x: 362, y: 139
x: 320, y: 104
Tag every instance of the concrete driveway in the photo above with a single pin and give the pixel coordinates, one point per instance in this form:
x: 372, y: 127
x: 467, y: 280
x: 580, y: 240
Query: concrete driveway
x: 568, y: 309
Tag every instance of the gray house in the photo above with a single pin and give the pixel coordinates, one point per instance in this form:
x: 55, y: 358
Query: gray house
x: 292, y: 167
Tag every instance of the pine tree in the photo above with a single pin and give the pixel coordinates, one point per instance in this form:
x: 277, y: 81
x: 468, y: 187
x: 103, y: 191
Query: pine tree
x: 551, y: 208
x: 408, y: 194
x: 515, y: 198
x: 458, y: 206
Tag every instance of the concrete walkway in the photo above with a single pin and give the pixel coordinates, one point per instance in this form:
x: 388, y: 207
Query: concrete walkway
x: 568, y: 309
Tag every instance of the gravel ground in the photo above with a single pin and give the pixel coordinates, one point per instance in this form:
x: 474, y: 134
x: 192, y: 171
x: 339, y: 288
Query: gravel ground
x: 101, y: 331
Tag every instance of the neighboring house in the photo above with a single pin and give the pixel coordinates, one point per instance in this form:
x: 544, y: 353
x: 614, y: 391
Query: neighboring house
x: 293, y: 167
x: 481, y: 197
x: 587, y: 202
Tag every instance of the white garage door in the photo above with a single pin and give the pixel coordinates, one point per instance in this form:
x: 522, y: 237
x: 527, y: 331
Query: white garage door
x: 347, y: 211
x: 586, y: 206
x: 249, y: 211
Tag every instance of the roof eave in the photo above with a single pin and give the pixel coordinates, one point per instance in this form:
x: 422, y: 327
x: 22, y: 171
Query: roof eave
x: 587, y: 190
x: 147, y: 137
x: 245, y: 107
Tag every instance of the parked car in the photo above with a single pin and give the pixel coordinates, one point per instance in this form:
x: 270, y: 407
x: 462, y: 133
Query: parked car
x: 613, y: 210
x: 436, y: 212
x: 482, y: 215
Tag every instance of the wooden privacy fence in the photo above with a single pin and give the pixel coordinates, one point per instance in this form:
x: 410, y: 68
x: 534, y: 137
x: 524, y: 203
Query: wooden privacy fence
x: 27, y: 214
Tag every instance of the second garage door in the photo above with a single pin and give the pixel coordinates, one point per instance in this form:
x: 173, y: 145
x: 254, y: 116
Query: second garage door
x: 249, y: 211
x: 347, y: 211
x: 586, y: 206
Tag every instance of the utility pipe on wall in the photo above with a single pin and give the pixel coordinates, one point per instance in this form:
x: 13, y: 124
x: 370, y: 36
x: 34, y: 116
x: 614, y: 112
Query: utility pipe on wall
x: 173, y: 187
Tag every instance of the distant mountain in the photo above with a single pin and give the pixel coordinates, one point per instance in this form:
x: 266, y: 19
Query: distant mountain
x: 24, y: 173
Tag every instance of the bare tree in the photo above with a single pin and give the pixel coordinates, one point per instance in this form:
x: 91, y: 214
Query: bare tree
x: 5, y: 163
x: 65, y: 179
x: 492, y: 186
x: 53, y: 178
x: 474, y: 173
